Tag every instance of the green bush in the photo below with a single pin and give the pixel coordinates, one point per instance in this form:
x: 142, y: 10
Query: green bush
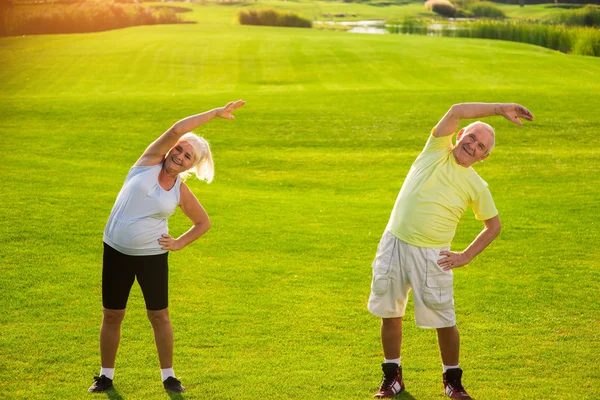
x: 83, y: 17
x: 587, y: 42
x: 579, y: 40
x: 484, y: 9
x: 463, y: 13
x: 463, y: 3
x: 271, y: 17
x: 561, y: 3
x: 586, y: 16
x: 442, y: 7
x: 407, y: 25
x: 293, y: 20
x: 268, y: 17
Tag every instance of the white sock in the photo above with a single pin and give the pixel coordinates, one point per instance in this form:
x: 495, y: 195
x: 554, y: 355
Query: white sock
x: 167, y: 372
x: 393, y: 360
x: 108, y: 372
x: 447, y: 367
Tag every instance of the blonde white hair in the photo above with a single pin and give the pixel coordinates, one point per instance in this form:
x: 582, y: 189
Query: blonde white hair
x: 204, y: 167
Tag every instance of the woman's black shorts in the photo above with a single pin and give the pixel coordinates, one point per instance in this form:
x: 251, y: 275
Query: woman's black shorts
x: 119, y: 272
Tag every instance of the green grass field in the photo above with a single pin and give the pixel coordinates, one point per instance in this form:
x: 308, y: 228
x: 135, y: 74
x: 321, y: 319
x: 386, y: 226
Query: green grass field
x: 271, y: 303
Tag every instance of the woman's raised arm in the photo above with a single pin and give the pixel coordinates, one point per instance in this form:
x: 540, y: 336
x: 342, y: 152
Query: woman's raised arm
x: 157, y: 150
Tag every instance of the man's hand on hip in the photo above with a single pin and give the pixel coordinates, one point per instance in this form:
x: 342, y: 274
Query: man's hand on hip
x: 453, y: 260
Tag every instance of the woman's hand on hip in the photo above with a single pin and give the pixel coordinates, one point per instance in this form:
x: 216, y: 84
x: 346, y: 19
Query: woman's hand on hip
x: 167, y: 242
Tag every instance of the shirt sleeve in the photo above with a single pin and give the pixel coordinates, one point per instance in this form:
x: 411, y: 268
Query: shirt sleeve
x: 484, y: 207
x: 437, y: 145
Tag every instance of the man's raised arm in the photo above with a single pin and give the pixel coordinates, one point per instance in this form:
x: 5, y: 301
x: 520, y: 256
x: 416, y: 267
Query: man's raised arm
x: 449, y: 123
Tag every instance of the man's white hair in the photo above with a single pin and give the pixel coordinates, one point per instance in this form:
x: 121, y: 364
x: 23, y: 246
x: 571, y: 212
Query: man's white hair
x: 204, y: 167
x: 489, y: 128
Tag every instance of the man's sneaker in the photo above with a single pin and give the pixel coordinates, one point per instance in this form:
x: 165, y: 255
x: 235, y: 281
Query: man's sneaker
x: 173, y: 384
x: 392, y: 383
x: 453, y: 385
x: 101, y: 384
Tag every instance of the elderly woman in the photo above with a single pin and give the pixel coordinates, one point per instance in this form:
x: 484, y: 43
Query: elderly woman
x: 137, y: 242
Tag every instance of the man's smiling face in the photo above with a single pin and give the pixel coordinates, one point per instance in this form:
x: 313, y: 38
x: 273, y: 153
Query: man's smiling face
x: 473, y: 144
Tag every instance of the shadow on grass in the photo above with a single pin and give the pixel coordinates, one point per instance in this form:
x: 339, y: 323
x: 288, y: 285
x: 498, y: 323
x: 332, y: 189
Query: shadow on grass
x: 405, y: 396
x: 113, y: 394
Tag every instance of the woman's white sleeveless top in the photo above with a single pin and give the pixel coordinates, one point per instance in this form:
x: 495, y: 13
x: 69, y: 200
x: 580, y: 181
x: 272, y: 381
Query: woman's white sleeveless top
x: 139, y: 216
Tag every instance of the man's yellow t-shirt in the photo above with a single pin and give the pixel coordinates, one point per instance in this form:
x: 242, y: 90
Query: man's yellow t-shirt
x: 434, y: 196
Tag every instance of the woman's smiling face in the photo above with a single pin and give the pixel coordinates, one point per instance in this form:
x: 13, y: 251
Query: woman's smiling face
x: 180, y: 158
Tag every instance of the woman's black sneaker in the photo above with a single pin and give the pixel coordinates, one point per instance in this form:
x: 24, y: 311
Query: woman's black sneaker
x: 173, y: 384
x: 101, y: 384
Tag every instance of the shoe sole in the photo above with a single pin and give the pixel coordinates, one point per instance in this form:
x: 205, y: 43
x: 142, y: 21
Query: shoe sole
x: 175, y: 391
x: 397, y: 394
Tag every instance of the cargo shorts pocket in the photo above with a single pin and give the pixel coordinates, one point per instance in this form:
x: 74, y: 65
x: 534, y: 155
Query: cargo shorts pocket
x: 382, y: 265
x: 438, y: 292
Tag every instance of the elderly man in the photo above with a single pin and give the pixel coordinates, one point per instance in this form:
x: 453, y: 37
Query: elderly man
x: 414, y: 252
